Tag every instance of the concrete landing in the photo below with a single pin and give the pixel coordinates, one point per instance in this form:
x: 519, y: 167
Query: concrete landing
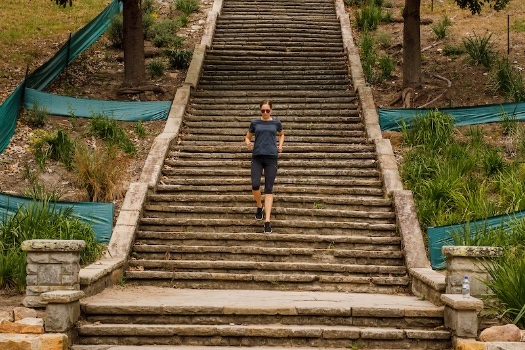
x: 270, y: 302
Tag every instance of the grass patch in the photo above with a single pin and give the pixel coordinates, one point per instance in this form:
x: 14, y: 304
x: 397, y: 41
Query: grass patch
x: 480, y: 49
x: 23, y: 23
x: 187, y: 6
x: 110, y: 131
x: 508, y: 81
x: 440, y: 28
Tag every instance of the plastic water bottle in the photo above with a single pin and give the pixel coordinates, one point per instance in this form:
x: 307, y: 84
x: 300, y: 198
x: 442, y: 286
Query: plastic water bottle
x: 465, y: 288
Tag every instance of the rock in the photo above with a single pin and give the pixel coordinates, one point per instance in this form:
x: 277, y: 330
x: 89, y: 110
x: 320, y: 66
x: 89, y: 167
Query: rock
x: 33, y: 321
x: 12, y: 327
x: 508, y: 332
x: 6, y: 315
x: 23, y: 312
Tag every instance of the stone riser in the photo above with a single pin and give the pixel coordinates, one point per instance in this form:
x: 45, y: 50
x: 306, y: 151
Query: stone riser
x: 166, y: 317
x: 241, y: 189
x: 255, y: 228
x: 273, y: 342
x: 271, y: 240
x: 265, y: 258
x: 227, y: 214
x: 135, y: 279
x: 290, y: 139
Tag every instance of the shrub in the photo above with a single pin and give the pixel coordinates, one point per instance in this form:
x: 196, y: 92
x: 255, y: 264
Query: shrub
x: 440, y: 28
x: 368, y: 56
x: 39, y: 192
x: 109, y: 130
x: 480, y: 49
x: 368, y: 17
x: 383, y: 39
x: 179, y: 58
x: 35, y: 117
x: 39, y: 220
x: 508, y: 81
x: 116, y: 32
x: 100, y: 172
x: 57, y: 146
x: 387, y: 65
x: 187, y: 6
x: 156, y: 68
x: 163, y: 33
x: 508, y: 121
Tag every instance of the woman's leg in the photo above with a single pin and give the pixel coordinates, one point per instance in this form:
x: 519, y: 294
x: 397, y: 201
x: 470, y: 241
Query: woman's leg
x: 256, y: 172
x: 270, y: 172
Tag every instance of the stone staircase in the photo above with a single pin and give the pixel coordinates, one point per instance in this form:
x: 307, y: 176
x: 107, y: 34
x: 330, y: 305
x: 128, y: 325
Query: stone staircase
x: 334, y: 232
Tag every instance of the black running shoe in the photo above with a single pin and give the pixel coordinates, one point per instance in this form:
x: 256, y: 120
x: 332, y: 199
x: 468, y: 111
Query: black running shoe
x: 267, y: 227
x: 259, y: 214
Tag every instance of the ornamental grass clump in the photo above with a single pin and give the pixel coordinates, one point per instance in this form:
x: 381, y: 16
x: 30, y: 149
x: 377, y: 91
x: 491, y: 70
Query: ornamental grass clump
x: 39, y: 220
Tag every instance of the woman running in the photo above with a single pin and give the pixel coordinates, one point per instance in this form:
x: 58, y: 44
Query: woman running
x: 264, y: 157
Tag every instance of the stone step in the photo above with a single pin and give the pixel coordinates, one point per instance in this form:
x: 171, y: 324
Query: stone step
x: 282, y: 189
x: 257, y: 254
x: 286, y: 30
x: 198, y: 138
x: 283, y: 157
x: 280, y: 199
x: 303, y: 100
x: 278, y: 225
x: 261, y: 281
x: 317, y: 213
x: 211, y: 86
x: 347, y: 148
x: 254, y: 335
x: 245, y: 171
x: 339, y: 183
x: 283, y: 163
x: 297, y: 94
x: 291, y: 127
x: 241, y: 116
x: 178, y: 347
x: 256, y: 55
x: 312, y: 241
x: 274, y: 48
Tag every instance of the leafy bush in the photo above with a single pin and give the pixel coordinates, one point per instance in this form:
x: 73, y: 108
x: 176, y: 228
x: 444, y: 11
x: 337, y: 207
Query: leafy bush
x: 163, y: 33
x: 480, y: 49
x: 440, y: 28
x: 187, y: 6
x: 368, y: 56
x: 100, y: 172
x: 116, y: 32
x: 35, y: 117
x: 387, y: 65
x: 156, y: 68
x: 57, y: 146
x: 39, y: 221
x: 179, y: 58
x: 109, y: 130
x: 508, y: 81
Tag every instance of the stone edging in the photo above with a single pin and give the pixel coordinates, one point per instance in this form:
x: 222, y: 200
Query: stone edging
x: 109, y: 270
x: 424, y: 279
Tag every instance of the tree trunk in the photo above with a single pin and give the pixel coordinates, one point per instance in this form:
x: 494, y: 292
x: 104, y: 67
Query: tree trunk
x: 134, y: 66
x: 412, y: 44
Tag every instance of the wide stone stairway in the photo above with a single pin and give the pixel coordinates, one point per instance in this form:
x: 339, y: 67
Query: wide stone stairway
x: 331, y: 275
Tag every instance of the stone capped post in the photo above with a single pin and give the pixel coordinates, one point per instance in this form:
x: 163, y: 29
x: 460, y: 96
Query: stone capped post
x: 51, y: 265
x: 468, y: 261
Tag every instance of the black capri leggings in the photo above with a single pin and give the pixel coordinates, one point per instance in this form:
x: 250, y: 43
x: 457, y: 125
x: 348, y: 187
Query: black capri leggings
x: 269, y: 164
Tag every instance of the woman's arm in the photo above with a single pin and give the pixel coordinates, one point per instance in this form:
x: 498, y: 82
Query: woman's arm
x: 248, y: 140
x: 281, y: 141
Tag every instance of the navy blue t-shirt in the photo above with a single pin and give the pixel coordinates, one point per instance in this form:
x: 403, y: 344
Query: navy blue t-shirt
x: 265, y: 132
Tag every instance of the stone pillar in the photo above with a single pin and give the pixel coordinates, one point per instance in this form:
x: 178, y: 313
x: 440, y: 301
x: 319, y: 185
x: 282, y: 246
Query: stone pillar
x: 51, y: 265
x: 468, y: 261
x: 62, y: 311
x: 461, y: 315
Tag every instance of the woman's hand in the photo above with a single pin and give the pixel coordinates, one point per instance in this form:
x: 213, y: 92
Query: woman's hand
x: 249, y: 144
x: 279, y: 148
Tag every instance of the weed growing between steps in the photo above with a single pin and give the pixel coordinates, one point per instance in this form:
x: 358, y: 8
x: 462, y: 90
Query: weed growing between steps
x: 39, y: 221
x: 458, y: 176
